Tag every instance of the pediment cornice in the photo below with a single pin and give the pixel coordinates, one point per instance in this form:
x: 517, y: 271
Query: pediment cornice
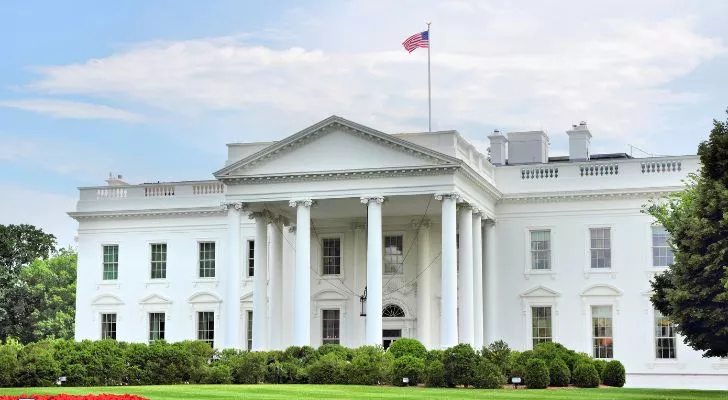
x: 333, y: 123
x: 343, y: 174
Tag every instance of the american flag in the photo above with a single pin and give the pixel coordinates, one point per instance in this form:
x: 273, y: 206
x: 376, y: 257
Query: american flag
x: 421, y: 39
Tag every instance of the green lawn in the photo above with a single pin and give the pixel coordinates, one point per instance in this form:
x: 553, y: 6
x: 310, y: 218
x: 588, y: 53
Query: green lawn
x: 369, y: 392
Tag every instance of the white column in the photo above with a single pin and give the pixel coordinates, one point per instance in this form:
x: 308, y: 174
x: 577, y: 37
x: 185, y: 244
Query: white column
x: 275, y: 230
x: 490, y: 282
x: 449, y: 260
x: 478, y: 279
x: 232, y: 278
x: 302, y: 276
x: 465, y: 282
x: 374, y: 270
x: 424, y: 294
x: 260, y: 284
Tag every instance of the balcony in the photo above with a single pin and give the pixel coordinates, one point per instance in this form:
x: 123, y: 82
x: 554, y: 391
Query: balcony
x: 618, y: 174
x: 151, y: 196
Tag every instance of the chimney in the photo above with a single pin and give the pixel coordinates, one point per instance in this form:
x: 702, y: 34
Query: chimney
x: 497, y: 148
x: 115, y: 180
x: 579, y: 137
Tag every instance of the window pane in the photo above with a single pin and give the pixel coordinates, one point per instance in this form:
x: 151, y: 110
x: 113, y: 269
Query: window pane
x: 250, y: 330
x: 156, y: 326
x: 541, y: 324
x: 601, y: 253
x: 108, y: 326
x: 207, y: 260
x: 159, y: 261
x: 331, y: 249
x: 665, y: 340
x: 251, y: 258
x: 330, y: 326
x: 662, y: 255
x: 206, y: 327
x: 603, y: 343
x: 541, y: 249
x: 393, y: 254
x: 111, y: 262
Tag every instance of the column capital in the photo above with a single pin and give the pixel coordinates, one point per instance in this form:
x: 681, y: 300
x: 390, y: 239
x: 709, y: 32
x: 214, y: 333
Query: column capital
x: 233, y: 205
x: 451, y: 195
x: 370, y: 199
x: 301, y: 202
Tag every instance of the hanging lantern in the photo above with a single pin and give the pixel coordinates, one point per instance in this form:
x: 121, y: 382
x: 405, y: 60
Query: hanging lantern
x: 362, y: 300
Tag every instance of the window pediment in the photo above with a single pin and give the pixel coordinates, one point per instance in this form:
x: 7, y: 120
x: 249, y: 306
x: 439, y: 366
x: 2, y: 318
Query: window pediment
x: 107, y: 300
x: 204, y: 297
x: 155, y: 299
x: 601, y: 290
x: 540, y: 291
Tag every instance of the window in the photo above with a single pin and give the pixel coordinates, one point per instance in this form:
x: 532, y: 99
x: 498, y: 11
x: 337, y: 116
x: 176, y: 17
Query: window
x: 541, y: 325
x: 156, y: 326
x: 393, y: 254
x: 392, y: 311
x: 159, y: 260
x: 331, y: 256
x: 664, y: 337
x: 108, y: 326
x: 330, y: 328
x: 111, y: 262
x: 661, y: 252
x: 541, y: 249
x: 603, y: 342
x: 601, y: 250
x: 249, y: 330
x: 207, y: 260
x: 206, y: 327
x: 251, y: 258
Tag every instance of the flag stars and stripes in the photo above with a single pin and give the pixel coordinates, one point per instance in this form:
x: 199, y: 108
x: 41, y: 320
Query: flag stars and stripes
x: 420, y: 39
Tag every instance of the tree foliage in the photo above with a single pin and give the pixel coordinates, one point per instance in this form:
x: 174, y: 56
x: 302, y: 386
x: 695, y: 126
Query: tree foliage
x: 693, y: 292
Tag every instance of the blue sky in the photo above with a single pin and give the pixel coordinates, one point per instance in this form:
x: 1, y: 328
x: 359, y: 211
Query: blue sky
x: 154, y: 89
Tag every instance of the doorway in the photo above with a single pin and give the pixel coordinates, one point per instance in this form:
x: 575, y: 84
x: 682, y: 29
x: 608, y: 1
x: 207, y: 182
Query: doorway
x: 389, y: 336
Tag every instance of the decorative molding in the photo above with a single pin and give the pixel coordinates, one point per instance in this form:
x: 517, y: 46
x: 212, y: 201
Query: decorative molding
x: 619, y: 194
x: 172, y: 212
x: 432, y: 170
x: 452, y: 195
x: 301, y: 202
x: 372, y: 199
x: 233, y: 205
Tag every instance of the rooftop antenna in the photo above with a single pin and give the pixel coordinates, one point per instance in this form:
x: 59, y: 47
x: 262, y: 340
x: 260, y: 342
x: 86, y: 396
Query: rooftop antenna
x: 632, y: 148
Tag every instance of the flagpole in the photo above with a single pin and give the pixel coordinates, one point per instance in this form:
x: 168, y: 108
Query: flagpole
x: 429, y: 87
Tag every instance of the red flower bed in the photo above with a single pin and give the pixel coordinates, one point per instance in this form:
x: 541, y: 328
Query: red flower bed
x: 76, y: 397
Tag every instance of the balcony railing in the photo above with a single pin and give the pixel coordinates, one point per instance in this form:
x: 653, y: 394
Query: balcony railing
x: 154, y: 190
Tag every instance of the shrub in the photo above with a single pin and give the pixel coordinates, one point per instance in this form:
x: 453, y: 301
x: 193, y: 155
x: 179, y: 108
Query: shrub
x: 614, y: 374
x: 599, y: 366
x: 559, y: 373
x: 407, y: 347
x: 524, y: 357
x: 537, y: 374
x: 460, y: 361
x: 435, y: 374
x: 488, y: 376
x: 9, y: 362
x: 304, y: 354
x: 37, y: 367
x: 434, y: 355
x: 499, y: 354
x: 340, y: 351
x: 246, y: 367
x: 217, y: 374
x: 328, y: 369
x: 517, y: 370
x: 585, y: 375
x: 368, y: 366
x: 407, y: 367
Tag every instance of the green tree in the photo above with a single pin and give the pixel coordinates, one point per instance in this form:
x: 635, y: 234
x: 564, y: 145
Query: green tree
x: 19, y: 246
x: 692, y: 292
x: 51, y: 283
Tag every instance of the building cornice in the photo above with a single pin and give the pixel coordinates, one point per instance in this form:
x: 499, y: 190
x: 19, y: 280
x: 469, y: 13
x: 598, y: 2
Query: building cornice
x: 602, y: 194
x: 172, y: 212
x: 342, y: 174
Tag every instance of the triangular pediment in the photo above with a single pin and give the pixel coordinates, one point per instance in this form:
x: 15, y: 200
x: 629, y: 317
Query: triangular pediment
x: 601, y: 290
x: 335, y: 144
x: 107, y: 300
x: 155, y: 299
x: 540, y: 291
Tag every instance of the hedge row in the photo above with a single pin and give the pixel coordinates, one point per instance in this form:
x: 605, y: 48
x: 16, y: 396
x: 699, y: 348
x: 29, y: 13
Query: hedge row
x: 406, y: 362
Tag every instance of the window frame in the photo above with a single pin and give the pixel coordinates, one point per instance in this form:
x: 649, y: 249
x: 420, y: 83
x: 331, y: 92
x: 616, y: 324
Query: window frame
x: 541, y: 339
x: 656, y: 338
x: 199, y: 259
x: 528, y: 259
x: 324, y: 256
x: 594, y: 337
x: 588, y: 270
x: 214, y: 325
x: 385, y: 235
x: 162, y: 329
x: 336, y: 340
x: 653, y: 247
x: 103, y: 261
x: 249, y: 249
x: 249, y: 329
x: 150, y: 248
x: 115, y: 322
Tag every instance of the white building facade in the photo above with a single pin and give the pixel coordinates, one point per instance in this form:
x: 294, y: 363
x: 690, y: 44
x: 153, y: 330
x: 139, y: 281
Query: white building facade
x: 344, y: 234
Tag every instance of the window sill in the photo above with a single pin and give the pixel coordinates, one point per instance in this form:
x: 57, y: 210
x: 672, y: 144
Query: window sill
x: 666, y: 364
x: 536, y: 272
x: 157, y: 282
x: 205, y: 282
x: 108, y: 284
x: 600, y: 272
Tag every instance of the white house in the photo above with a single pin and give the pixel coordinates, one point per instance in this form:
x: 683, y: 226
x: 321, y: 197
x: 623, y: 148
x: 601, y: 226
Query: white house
x: 448, y: 247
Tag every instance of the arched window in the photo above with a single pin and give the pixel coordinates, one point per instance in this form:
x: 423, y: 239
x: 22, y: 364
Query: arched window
x: 392, y: 311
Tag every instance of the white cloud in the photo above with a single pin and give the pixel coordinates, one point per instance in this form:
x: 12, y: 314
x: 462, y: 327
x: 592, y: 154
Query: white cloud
x: 46, y: 211
x: 71, y: 109
x: 513, y: 66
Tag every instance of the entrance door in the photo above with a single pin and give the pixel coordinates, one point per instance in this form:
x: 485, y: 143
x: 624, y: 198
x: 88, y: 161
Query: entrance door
x: 389, y: 336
